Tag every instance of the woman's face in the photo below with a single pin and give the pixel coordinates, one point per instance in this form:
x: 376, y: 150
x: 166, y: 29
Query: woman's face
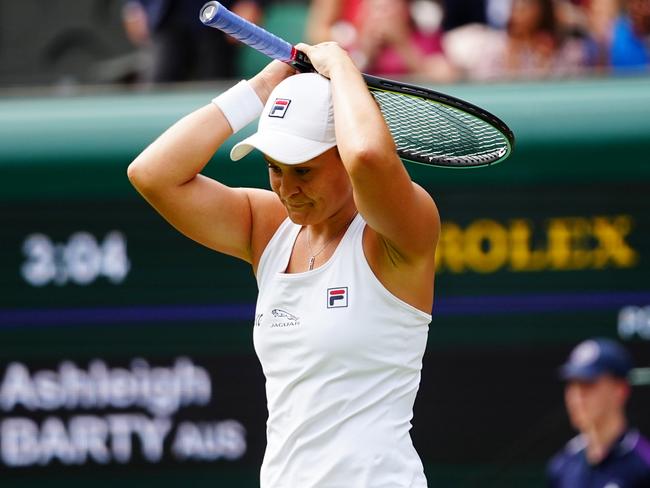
x: 312, y: 191
x: 525, y: 16
x: 394, y: 9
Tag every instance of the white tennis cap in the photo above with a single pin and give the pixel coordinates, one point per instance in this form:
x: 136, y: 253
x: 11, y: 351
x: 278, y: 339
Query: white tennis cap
x: 297, y: 123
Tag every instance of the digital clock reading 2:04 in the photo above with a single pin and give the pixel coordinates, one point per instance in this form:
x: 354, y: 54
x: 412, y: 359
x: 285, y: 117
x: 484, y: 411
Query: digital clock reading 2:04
x: 81, y: 260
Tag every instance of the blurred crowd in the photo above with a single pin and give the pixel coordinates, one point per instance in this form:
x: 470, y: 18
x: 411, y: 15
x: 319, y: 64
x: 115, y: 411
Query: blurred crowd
x: 436, y: 40
x: 143, y: 42
x: 179, y: 47
x: 449, y: 40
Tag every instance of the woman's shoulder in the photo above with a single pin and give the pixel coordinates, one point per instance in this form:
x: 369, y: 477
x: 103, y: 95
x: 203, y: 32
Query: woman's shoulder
x: 267, y: 214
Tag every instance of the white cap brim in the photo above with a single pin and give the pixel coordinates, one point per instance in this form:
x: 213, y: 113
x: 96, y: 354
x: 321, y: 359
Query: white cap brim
x: 280, y: 146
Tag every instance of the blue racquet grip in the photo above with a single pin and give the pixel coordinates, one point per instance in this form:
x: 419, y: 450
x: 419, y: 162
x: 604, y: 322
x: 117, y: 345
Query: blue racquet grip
x: 213, y: 14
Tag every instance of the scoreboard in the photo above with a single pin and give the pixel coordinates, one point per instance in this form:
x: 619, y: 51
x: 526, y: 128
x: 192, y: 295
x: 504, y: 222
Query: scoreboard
x: 126, y: 349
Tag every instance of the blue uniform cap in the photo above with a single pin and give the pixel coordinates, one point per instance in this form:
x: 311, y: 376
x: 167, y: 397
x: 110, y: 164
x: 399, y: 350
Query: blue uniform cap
x: 596, y: 357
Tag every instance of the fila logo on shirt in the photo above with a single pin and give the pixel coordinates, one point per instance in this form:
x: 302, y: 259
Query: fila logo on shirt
x: 279, y: 108
x: 337, y: 297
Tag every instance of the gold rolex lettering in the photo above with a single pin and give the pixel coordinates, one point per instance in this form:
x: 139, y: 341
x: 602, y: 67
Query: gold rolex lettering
x: 522, y: 245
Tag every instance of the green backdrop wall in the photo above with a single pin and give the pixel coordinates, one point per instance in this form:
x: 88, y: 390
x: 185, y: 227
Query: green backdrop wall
x: 103, y: 305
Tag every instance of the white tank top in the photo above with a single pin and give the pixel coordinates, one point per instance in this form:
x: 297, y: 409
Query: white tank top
x: 342, y: 359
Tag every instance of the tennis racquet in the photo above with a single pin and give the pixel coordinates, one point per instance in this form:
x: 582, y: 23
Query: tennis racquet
x: 428, y: 127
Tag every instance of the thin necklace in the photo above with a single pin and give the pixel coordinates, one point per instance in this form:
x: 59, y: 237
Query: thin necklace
x: 312, y: 258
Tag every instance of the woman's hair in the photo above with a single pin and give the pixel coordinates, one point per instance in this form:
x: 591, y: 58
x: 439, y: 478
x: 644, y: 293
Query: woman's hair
x: 548, y: 19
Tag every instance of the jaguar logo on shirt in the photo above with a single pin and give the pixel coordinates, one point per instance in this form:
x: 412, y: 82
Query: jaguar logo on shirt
x: 282, y: 318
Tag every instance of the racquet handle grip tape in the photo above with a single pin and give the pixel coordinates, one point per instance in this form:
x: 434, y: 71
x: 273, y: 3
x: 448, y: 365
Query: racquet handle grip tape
x: 213, y: 14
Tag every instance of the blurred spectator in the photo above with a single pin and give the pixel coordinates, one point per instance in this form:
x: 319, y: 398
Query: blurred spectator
x: 463, y: 12
x: 600, y: 19
x: 631, y: 36
x: 497, y: 12
x: 607, y: 452
x: 533, y: 45
x: 618, y: 34
x: 183, y: 49
x: 383, y: 36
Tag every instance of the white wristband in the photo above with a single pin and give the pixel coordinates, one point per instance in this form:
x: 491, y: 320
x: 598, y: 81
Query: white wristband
x: 240, y: 105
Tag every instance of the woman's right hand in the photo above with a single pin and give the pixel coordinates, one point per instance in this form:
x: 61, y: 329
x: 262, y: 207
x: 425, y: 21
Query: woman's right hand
x: 266, y: 80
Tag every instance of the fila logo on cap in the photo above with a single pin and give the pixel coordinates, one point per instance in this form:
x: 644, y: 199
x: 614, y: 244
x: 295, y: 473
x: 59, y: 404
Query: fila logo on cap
x: 337, y: 297
x: 279, y: 108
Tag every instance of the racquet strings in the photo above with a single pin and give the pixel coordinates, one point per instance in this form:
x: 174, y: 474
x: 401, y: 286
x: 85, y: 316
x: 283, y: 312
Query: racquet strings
x: 429, y: 132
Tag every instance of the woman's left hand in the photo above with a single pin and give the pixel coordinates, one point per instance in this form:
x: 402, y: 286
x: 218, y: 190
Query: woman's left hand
x: 325, y: 56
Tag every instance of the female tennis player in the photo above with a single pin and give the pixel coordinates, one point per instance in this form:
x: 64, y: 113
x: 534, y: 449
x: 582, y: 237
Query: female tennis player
x: 343, y: 252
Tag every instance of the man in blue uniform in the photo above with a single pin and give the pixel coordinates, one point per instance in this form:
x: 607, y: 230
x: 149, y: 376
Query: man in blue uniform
x: 607, y: 453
